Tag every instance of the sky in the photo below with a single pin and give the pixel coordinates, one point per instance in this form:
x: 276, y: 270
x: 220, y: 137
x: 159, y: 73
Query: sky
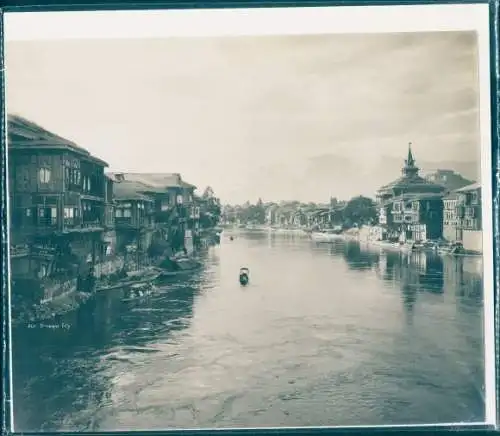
x: 277, y: 117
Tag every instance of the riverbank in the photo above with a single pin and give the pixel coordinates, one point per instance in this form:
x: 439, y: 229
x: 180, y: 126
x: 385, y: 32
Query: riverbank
x: 39, y: 300
x: 49, y: 310
x: 365, y: 236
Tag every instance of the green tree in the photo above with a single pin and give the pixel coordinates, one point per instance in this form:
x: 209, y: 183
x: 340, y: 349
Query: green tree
x: 360, y: 210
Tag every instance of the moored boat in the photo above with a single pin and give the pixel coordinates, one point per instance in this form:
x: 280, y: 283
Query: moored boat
x: 139, y: 290
x: 451, y: 248
x: 133, y: 278
x: 326, y: 236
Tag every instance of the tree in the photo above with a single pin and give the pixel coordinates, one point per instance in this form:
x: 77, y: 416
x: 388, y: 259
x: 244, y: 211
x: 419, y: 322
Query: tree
x: 360, y: 210
x: 208, y: 193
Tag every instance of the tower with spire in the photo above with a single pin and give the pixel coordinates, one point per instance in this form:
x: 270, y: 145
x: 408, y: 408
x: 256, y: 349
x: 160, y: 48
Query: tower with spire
x: 410, y: 169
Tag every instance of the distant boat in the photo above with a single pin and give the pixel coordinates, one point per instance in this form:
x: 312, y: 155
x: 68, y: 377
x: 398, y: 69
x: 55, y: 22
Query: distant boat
x: 327, y: 236
x: 244, y: 276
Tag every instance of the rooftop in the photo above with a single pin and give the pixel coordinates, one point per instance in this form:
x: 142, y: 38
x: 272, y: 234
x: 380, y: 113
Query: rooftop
x: 23, y: 133
x: 156, y: 182
x: 471, y: 187
x: 130, y: 190
x: 415, y: 196
x: 411, y: 180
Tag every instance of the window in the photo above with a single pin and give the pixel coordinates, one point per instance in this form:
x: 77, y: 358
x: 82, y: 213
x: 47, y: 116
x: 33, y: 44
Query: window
x: 69, y: 212
x: 119, y: 213
x: 415, y: 205
x: 23, y: 177
x: 44, y: 175
x: 127, y: 213
x: 164, y: 205
x: 179, y: 199
x: 53, y: 212
x: 41, y: 213
x: 86, y: 183
x: 28, y: 212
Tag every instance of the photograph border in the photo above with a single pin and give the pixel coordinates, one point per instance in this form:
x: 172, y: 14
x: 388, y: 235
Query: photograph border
x: 491, y: 221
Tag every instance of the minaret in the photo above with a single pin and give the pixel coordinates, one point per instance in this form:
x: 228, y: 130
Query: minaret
x: 410, y: 169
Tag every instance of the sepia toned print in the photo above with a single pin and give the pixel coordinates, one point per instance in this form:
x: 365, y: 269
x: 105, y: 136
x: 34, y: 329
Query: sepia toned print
x: 251, y: 231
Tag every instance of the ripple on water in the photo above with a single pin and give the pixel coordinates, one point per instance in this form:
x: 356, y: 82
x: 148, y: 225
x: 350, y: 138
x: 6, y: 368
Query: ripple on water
x: 346, y: 337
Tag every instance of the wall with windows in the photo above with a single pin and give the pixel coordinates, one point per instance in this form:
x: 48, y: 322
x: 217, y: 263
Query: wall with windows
x: 135, y: 213
x: 35, y: 171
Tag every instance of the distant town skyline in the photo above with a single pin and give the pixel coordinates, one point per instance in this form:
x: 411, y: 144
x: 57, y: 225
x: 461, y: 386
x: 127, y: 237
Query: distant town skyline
x: 277, y: 117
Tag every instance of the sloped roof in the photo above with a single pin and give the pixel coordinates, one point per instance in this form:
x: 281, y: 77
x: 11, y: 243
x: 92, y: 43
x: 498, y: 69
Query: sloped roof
x: 23, y: 133
x: 471, y: 187
x: 130, y: 190
x: 451, y: 195
x: 413, y: 183
x: 417, y: 196
x: 156, y: 182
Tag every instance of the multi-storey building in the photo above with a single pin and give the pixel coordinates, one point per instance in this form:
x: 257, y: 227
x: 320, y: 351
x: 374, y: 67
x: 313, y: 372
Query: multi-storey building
x: 172, y: 203
x: 410, y: 208
x: 56, y: 198
x: 462, y: 220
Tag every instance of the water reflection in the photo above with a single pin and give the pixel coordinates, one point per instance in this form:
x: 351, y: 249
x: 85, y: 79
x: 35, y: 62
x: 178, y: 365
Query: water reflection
x: 330, y: 333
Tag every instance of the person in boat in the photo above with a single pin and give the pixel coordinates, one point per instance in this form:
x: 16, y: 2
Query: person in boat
x: 231, y: 238
x: 244, y: 276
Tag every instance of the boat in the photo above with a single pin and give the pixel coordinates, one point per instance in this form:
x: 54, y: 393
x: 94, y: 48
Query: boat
x: 453, y: 248
x: 326, y: 236
x: 244, y: 276
x: 140, y: 277
x: 177, y: 266
x: 139, y: 290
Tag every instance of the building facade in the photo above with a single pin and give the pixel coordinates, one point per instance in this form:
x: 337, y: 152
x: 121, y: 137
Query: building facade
x: 57, y: 196
x: 410, y: 208
x: 462, y: 220
x: 170, y: 204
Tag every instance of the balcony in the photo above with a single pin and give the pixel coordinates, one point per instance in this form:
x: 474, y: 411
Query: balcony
x: 79, y: 225
x: 47, y: 222
x: 132, y: 222
x: 43, y: 251
x: 19, y: 251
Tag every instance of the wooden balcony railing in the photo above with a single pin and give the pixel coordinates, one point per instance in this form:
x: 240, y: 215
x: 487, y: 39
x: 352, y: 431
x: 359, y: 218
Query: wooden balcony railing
x: 19, y: 250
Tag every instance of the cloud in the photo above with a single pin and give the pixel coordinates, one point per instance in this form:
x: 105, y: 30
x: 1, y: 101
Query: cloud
x: 219, y: 109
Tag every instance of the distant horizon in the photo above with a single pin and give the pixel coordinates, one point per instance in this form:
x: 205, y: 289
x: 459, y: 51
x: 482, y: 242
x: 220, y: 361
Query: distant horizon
x: 288, y: 116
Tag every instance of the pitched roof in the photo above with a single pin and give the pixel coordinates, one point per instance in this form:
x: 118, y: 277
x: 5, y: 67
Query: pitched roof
x: 130, y: 190
x: 157, y: 182
x: 414, y: 182
x: 24, y: 133
x: 471, y: 187
x: 415, y: 196
x: 453, y: 195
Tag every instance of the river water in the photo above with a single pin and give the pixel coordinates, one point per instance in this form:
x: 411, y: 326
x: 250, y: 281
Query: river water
x: 328, y: 334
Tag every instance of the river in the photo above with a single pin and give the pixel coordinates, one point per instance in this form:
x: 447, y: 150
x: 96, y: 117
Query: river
x: 324, y: 334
